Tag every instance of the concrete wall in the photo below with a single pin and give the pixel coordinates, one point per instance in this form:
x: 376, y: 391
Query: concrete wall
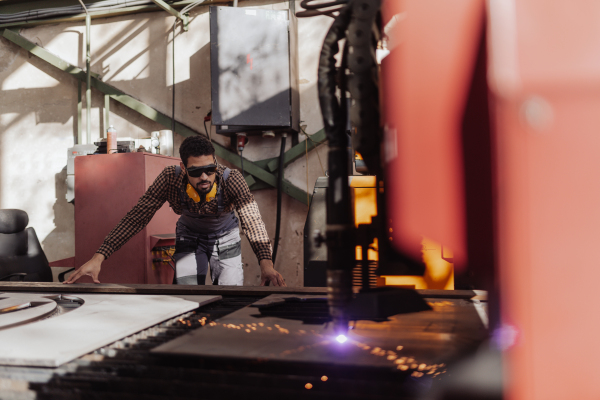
x: 38, y: 116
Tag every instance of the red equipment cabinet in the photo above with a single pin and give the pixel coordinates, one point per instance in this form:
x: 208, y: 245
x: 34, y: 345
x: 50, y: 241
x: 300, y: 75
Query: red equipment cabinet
x: 106, y: 188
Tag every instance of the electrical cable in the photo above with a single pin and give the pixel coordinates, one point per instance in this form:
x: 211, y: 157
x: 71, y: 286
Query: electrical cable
x: 165, y: 251
x: 173, y: 101
x: 84, y: 7
x: 207, y: 131
x: 242, y: 160
x: 172, y: 266
x: 279, y: 192
x: 172, y: 259
x: 306, y: 150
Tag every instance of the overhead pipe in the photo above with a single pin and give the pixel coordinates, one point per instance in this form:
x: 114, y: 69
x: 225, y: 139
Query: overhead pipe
x: 100, y: 9
x: 31, y: 15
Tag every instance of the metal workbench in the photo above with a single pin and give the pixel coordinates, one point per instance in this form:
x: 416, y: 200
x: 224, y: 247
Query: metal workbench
x: 225, y: 350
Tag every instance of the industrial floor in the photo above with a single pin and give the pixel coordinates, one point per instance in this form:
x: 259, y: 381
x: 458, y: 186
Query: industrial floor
x: 225, y: 349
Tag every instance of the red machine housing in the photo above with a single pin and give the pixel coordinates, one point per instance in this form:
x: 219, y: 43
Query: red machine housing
x: 425, y: 85
x: 542, y: 69
x: 106, y: 188
x: 544, y: 76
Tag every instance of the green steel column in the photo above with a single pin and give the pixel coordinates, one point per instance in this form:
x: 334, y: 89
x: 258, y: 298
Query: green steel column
x: 88, y: 81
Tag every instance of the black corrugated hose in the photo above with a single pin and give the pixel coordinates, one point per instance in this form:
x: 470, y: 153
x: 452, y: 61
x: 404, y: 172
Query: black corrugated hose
x: 279, y: 192
x: 319, y: 7
x: 340, y: 223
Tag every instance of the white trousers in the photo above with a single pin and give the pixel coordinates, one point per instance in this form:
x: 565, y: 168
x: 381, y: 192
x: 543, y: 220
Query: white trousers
x: 224, y: 253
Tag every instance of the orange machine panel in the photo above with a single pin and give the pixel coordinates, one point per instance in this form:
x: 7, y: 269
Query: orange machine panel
x: 106, y: 188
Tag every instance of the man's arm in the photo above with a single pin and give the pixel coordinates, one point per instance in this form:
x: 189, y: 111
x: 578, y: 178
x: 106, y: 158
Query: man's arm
x: 90, y: 268
x: 253, y: 227
x: 268, y: 274
x: 135, y: 220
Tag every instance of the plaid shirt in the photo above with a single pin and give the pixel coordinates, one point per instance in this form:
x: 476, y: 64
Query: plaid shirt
x: 167, y: 187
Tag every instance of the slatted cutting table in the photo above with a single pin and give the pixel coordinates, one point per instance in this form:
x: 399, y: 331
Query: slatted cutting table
x: 234, y: 348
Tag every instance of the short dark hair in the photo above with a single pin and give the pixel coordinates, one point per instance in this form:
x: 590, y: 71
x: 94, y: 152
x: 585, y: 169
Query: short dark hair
x: 195, y: 146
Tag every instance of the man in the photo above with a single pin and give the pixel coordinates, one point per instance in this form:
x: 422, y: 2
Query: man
x: 205, y: 194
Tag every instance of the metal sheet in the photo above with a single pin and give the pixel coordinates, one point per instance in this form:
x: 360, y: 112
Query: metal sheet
x: 102, y: 320
x: 419, y: 340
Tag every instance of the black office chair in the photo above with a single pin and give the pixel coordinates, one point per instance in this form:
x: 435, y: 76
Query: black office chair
x: 21, y: 255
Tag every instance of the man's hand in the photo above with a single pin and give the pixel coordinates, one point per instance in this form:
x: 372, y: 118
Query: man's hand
x: 268, y: 274
x: 90, y: 268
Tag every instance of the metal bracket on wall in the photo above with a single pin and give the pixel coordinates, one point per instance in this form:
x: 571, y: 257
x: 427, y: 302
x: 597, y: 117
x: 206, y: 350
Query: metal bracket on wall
x: 260, y: 177
x: 183, y: 17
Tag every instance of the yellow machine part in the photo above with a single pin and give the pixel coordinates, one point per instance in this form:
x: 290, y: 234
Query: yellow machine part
x: 439, y: 268
x: 365, y: 207
x: 162, y: 257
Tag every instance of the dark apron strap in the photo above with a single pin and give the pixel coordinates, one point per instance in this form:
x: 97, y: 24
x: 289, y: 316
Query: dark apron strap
x: 220, y: 190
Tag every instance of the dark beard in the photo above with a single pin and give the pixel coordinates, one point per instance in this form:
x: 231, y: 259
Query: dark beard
x: 203, y: 191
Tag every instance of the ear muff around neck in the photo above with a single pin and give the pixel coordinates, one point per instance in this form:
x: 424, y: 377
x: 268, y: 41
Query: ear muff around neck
x: 193, y: 193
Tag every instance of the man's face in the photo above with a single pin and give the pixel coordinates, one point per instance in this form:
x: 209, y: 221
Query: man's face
x: 203, y: 184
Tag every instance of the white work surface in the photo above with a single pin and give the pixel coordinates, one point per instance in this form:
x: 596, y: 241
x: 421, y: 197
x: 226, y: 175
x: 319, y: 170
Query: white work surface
x: 101, y: 320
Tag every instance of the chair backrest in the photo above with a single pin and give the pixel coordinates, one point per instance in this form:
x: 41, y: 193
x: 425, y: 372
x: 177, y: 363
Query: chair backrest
x: 20, y: 249
x: 13, y: 236
x: 12, y: 220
